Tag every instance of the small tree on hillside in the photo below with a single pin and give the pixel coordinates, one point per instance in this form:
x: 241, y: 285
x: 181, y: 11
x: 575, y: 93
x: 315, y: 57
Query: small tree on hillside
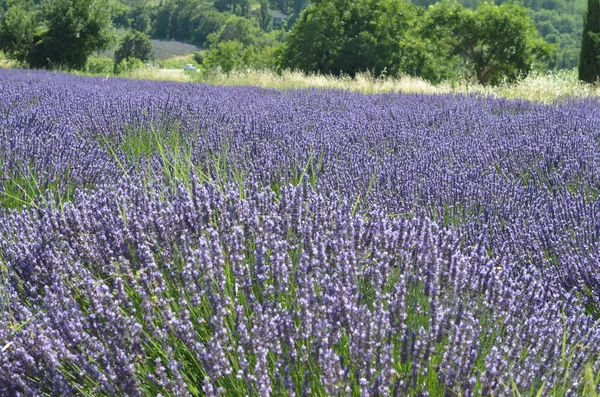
x: 589, y: 64
x: 134, y: 45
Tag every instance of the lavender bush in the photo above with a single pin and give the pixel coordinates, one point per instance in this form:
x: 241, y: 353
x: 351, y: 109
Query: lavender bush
x: 171, y: 239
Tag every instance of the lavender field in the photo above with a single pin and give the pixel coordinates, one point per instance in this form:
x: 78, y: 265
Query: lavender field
x: 187, y: 240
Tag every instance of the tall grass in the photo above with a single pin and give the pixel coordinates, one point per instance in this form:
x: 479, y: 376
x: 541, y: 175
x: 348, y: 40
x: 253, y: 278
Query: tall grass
x: 6, y: 63
x: 544, y: 88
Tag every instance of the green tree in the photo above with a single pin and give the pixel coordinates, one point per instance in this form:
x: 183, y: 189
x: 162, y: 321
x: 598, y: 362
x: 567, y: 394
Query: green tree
x: 134, y: 45
x: 75, y: 29
x: 265, y: 19
x: 298, y: 6
x: 186, y: 20
x: 162, y: 20
x: 238, y: 7
x: 228, y: 55
x: 18, y: 29
x: 206, y: 23
x: 139, y: 17
x: 493, y: 42
x: 238, y: 29
x: 66, y: 33
x: 232, y: 55
x: 282, y: 5
x: 589, y: 64
x: 347, y: 37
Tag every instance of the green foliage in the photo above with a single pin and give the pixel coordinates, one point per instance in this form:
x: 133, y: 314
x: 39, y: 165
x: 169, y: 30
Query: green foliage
x: 589, y: 62
x: 63, y: 34
x: 241, y: 44
x: 238, y: 7
x: 234, y: 55
x: 127, y: 65
x: 298, y: 6
x: 18, y: 29
x: 421, y: 57
x: 346, y: 37
x: 558, y: 21
x: 139, y: 17
x: 228, y: 55
x: 99, y: 65
x: 75, y: 29
x: 208, y: 23
x: 265, y: 19
x: 186, y: 20
x: 134, y: 45
x: 281, y: 5
x: 238, y: 29
x: 494, y: 43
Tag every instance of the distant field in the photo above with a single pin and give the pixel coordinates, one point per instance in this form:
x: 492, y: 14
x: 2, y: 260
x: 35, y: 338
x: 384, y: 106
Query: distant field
x: 162, y: 49
x: 167, y: 49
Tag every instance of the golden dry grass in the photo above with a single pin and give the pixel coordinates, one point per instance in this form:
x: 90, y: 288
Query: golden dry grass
x: 7, y: 63
x: 161, y: 75
x: 544, y: 88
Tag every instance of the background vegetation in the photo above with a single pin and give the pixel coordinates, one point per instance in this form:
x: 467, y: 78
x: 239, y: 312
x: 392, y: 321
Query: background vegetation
x: 473, y: 40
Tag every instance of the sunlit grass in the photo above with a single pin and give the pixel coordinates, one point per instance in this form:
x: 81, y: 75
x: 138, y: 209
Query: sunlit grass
x: 176, y: 75
x: 544, y: 88
x: 6, y: 63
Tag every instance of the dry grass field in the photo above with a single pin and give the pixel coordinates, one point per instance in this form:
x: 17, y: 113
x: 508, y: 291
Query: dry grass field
x: 543, y: 88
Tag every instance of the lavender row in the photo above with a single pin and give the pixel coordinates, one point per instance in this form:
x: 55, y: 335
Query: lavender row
x: 127, y: 293
x: 526, y: 175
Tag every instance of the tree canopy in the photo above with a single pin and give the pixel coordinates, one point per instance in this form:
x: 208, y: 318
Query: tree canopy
x: 349, y: 36
x: 134, y: 45
x: 64, y: 33
x: 490, y: 43
x: 558, y: 21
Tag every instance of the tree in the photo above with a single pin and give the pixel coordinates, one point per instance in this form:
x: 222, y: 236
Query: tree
x: 348, y: 36
x: 229, y: 55
x: 589, y: 64
x: 265, y: 19
x: 18, y: 29
x: 140, y: 17
x: 493, y: 42
x: 298, y: 6
x: 134, y: 45
x: 281, y: 5
x: 205, y: 24
x: 238, y: 7
x: 186, y: 20
x: 66, y: 33
x: 238, y: 29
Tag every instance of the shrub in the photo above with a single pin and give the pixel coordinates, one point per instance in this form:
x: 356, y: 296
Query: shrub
x: 99, y: 66
x: 127, y: 65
